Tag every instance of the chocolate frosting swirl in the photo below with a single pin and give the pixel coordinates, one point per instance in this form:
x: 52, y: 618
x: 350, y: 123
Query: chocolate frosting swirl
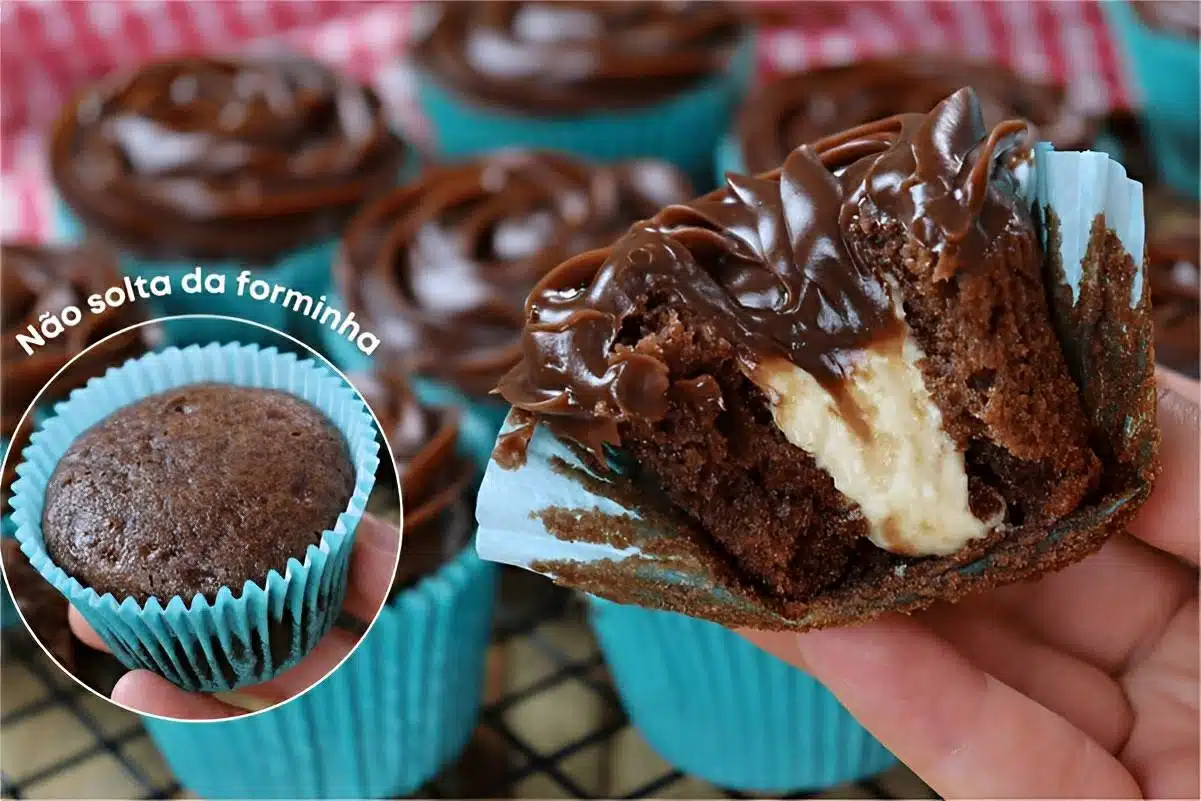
x: 36, y: 280
x: 804, y: 107
x: 222, y: 158
x: 440, y: 268
x: 768, y: 262
x: 568, y: 57
x: 435, y: 481
x: 1174, y: 259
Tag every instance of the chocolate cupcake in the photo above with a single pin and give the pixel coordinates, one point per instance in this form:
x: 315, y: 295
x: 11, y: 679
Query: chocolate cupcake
x: 1173, y: 255
x: 41, y: 280
x: 607, y: 81
x: 750, y: 381
x: 435, y: 478
x: 253, y: 475
x: 228, y: 163
x: 795, y: 109
x: 198, y: 507
x: 441, y: 267
x: 404, y: 704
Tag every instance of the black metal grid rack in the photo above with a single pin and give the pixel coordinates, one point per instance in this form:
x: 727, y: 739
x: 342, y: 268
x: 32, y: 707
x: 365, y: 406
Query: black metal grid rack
x: 543, y: 660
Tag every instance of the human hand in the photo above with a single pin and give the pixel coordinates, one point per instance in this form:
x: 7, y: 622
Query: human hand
x: 1083, y: 684
x: 372, y: 564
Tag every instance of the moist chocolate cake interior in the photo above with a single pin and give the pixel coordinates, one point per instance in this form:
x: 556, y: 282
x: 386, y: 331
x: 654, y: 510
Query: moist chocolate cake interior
x: 992, y: 366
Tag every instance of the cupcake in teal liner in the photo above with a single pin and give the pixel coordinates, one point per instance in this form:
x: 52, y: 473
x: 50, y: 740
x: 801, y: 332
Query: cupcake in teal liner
x: 227, y: 165
x: 198, y: 508
x: 912, y: 363
x: 404, y: 704
x: 805, y: 106
x: 1160, y: 43
x: 439, y: 269
x: 610, y: 82
x: 717, y: 707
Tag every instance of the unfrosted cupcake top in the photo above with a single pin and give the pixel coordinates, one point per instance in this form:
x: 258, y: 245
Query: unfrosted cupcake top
x: 222, y: 157
x: 194, y: 489
x: 795, y: 109
x: 441, y: 267
x: 36, y: 280
x: 435, y: 479
x: 568, y: 57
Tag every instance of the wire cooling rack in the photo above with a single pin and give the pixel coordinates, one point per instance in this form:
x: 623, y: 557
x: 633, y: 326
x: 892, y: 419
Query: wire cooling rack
x: 552, y: 725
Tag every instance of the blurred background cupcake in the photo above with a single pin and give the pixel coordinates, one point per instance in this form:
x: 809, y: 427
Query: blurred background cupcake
x: 1159, y: 39
x: 440, y: 268
x: 223, y: 163
x: 1174, y: 256
x: 805, y: 106
x: 405, y: 702
x: 604, y: 81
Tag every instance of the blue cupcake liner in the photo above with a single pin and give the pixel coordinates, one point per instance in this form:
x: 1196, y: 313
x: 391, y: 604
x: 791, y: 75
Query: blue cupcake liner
x: 728, y: 157
x: 349, y: 359
x: 1165, y: 67
x: 717, y: 707
x: 306, y: 270
x: 232, y: 640
x: 397, y: 712
x: 683, y: 130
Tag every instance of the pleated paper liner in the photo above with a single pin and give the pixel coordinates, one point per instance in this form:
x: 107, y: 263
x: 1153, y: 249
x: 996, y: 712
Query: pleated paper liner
x: 244, y: 635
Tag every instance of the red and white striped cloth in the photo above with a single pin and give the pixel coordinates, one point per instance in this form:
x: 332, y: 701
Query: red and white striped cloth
x: 50, y: 48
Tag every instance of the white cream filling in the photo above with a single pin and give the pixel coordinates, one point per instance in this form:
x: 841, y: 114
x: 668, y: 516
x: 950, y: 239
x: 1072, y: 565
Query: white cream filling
x: 907, y: 475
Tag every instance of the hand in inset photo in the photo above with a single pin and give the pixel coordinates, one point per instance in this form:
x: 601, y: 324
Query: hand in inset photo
x: 1083, y: 684
x: 372, y: 565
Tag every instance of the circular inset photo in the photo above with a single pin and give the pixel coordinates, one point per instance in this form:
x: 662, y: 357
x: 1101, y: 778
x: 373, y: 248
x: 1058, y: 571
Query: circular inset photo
x: 197, y: 515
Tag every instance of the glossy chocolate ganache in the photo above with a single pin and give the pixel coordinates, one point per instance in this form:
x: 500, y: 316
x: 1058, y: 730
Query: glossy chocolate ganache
x: 851, y: 351
x: 804, y: 107
x: 436, y: 482
x: 221, y: 157
x: 441, y: 267
x: 567, y: 57
x: 38, y: 279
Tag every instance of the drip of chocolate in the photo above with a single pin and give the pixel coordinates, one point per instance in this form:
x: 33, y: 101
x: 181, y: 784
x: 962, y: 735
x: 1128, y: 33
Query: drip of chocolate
x: 1174, y: 270
x: 796, y: 109
x: 222, y: 158
x: 441, y: 267
x: 568, y: 57
x: 434, y: 479
x: 765, y: 262
x: 37, y: 280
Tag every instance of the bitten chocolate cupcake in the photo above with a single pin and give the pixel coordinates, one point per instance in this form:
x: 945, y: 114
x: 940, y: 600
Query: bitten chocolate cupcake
x: 804, y: 107
x: 844, y: 376
x: 608, y: 81
x: 404, y: 704
x: 41, y: 280
x: 195, y: 489
x: 198, y: 507
x: 1174, y: 256
x: 436, y: 480
x: 441, y: 267
x: 228, y: 163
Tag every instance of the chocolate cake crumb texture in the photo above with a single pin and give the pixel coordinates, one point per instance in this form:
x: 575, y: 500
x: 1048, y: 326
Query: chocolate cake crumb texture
x: 198, y: 488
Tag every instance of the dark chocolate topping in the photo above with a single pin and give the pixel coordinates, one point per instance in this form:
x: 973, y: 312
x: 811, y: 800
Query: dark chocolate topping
x: 434, y: 477
x: 194, y: 489
x: 566, y: 57
x: 36, y: 280
x: 765, y: 261
x: 797, y: 109
x: 440, y: 269
x: 1174, y: 261
x: 212, y: 158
